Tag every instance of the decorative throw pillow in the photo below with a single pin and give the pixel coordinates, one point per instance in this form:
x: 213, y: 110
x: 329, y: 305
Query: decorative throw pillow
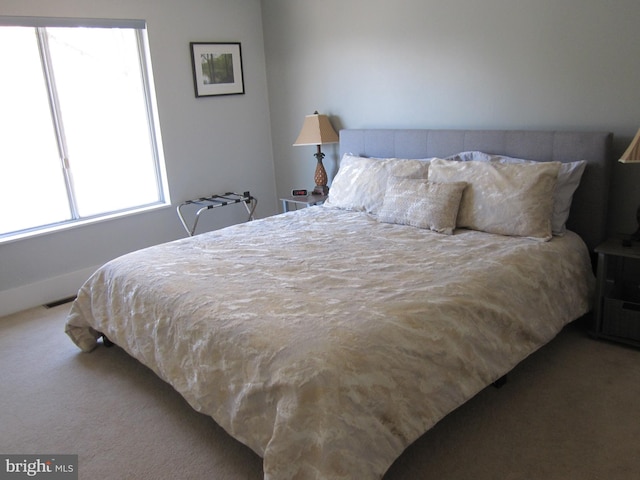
x: 504, y: 198
x: 568, y: 181
x: 361, y: 182
x: 422, y: 204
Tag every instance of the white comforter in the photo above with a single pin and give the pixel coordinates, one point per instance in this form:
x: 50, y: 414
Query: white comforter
x: 326, y: 341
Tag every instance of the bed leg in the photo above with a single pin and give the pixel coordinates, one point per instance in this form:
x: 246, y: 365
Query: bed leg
x: 500, y: 382
x: 106, y: 342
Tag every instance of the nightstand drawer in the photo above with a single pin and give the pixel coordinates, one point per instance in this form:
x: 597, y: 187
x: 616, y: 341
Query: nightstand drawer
x: 621, y: 319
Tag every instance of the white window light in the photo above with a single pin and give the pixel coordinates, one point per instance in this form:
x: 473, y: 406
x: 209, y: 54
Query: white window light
x: 80, y: 137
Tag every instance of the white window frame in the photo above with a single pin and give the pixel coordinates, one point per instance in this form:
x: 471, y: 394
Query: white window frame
x: 140, y: 28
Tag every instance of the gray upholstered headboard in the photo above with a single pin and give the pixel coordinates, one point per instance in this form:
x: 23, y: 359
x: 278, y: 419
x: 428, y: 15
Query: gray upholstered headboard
x: 589, y: 208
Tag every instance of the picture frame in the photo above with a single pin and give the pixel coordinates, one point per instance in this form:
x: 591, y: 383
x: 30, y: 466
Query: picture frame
x: 217, y: 68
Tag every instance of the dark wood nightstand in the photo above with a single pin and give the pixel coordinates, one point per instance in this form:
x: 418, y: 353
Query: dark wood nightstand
x: 617, y: 308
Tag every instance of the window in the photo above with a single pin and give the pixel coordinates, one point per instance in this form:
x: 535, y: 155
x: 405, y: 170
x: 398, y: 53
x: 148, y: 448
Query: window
x: 80, y: 138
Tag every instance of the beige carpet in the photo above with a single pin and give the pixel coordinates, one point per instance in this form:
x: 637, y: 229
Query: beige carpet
x: 570, y: 411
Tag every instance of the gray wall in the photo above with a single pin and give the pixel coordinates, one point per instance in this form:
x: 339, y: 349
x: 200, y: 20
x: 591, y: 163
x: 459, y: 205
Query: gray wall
x: 211, y: 145
x: 531, y: 64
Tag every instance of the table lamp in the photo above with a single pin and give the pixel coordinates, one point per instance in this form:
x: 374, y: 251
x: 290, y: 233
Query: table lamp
x: 317, y: 130
x: 632, y: 155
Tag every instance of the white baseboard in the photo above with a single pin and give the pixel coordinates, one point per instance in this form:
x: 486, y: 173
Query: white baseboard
x: 45, y: 291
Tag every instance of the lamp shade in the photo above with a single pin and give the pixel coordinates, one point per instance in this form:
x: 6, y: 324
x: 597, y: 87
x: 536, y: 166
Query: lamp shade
x: 632, y: 153
x: 316, y: 130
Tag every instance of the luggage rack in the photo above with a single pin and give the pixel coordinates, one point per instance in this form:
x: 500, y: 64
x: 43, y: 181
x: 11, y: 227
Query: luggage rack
x: 214, y: 201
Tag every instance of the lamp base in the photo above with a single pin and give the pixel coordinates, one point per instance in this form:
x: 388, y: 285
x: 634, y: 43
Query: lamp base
x: 320, y: 176
x: 634, y: 237
x: 320, y: 190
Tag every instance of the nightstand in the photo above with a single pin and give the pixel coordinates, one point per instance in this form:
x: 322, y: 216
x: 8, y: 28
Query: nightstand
x: 306, y: 201
x: 617, y: 308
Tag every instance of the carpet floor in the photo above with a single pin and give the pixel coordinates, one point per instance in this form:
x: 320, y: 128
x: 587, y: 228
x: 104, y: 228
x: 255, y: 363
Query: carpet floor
x: 569, y: 411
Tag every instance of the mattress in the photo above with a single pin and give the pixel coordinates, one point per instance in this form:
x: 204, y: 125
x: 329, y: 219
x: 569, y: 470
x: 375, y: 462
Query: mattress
x: 327, y: 341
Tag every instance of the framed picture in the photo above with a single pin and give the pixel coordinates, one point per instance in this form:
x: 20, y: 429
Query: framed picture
x: 217, y: 68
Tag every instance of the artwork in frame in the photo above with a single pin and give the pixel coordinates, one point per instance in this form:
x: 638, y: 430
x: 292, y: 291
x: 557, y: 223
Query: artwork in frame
x: 217, y: 68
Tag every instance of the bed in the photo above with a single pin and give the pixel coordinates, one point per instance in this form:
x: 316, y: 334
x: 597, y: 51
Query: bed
x: 330, y: 338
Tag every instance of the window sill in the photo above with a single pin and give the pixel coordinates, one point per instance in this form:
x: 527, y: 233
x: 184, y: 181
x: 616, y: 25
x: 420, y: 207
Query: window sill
x: 71, y: 224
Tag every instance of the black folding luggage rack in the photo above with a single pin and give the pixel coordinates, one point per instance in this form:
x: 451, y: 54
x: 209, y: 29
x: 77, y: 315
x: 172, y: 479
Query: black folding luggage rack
x: 214, y: 201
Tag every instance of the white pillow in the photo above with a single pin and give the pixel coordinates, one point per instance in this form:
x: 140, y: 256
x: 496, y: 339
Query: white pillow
x: 503, y: 198
x: 361, y: 182
x: 423, y: 204
x: 470, y: 156
x: 568, y: 181
x: 358, y: 184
